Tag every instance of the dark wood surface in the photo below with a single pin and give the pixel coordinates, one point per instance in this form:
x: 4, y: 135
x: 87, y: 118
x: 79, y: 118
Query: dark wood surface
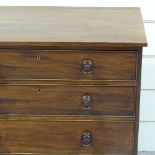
x: 71, y: 26
x: 65, y: 137
x: 139, y: 67
x: 67, y: 118
x: 53, y: 64
x: 51, y: 82
x: 67, y: 100
x: 42, y: 82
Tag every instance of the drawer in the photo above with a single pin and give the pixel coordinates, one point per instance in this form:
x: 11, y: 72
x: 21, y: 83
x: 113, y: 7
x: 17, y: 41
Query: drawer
x: 78, y: 100
x: 67, y: 137
x: 68, y: 65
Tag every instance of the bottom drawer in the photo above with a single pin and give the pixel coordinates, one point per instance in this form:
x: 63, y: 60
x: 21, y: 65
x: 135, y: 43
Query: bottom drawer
x: 86, y: 137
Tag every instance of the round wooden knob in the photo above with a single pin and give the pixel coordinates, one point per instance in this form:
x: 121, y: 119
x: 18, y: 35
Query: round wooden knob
x: 86, y: 139
x: 86, y: 101
x: 87, y: 66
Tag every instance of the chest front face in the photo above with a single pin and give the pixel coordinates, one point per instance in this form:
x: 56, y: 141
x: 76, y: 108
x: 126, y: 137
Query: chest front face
x: 70, y: 80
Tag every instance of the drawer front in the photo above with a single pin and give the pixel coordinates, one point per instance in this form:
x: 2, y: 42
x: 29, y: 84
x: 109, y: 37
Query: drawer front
x: 79, y: 100
x: 67, y: 137
x: 76, y: 65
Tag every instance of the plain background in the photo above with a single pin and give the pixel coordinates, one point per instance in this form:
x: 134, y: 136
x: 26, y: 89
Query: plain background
x: 147, y: 110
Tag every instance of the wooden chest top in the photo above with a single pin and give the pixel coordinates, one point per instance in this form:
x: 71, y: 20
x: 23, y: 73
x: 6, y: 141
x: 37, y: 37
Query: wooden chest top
x: 68, y: 26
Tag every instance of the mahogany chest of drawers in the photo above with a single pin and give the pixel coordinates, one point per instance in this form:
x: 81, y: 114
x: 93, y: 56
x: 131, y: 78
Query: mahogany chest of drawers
x: 70, y: 80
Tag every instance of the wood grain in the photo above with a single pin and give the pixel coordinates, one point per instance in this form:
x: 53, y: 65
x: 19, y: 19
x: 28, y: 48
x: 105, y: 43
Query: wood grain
x: 71, y: 26
x: 64, y: 137
x: 68, y: 118
x: 42, y: 82
x: 138, y: 100
x: 53, y: 64
x: 58, y: 82
x: 66, y: 100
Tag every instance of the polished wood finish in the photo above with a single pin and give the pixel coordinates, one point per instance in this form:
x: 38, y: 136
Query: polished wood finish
x: 66, y: 100
x: 65, y: 137
x: 70, y: 80
x: 71, y: 26
x: 68, y: 118
x: 58, y: 82
x: 53, y: 64
x: 139, y: 66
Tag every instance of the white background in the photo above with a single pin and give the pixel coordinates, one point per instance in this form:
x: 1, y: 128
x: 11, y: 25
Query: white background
x: 147, y: 112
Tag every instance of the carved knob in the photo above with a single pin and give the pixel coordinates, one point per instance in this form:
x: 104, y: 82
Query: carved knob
x: 86, y: 139
x: 86, y: 101
x: 87, y: 66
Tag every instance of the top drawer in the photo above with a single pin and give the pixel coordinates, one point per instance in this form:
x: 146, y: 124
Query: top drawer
x: 68, y: 65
